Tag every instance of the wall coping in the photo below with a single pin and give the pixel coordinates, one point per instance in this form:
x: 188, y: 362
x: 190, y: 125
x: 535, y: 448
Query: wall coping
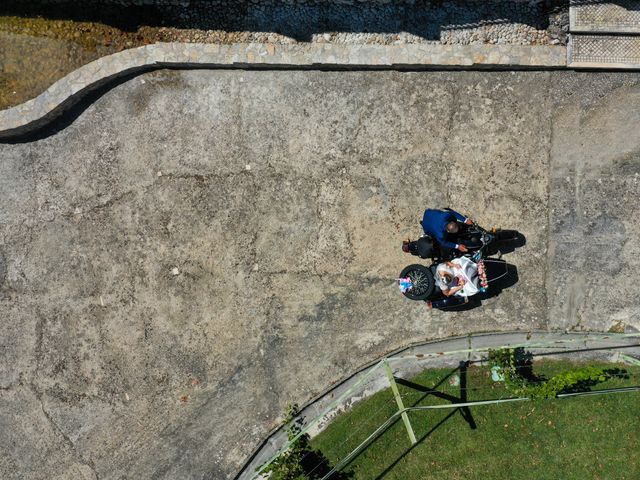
x: 35, y: 113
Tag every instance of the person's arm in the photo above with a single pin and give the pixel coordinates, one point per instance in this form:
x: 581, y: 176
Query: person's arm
x: 453, y: 291
x: 461, y: 218
x: 444, y: 242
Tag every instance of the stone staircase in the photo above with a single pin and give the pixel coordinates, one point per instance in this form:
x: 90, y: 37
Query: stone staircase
x: 604, y: 34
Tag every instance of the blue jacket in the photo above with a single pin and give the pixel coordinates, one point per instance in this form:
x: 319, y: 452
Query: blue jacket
x: 434, y: 223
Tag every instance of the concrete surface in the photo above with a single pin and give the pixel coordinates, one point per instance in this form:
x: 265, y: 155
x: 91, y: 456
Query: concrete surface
x: 199, y: 248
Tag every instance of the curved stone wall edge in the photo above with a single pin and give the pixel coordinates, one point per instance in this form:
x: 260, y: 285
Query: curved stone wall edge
x: 34, y: 114
x: 432, y: 352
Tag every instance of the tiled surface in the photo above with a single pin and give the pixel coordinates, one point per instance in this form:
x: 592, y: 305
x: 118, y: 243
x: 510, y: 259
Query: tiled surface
x: 619, y: 16
x: 604, y: 51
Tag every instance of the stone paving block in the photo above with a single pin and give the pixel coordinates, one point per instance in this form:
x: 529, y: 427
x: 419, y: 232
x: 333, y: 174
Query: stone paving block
x: 604, y: 51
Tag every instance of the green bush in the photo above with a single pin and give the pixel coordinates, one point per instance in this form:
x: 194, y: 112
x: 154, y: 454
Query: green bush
x: 514, y: 363
x: 563, y: 382
x: 508, y: 361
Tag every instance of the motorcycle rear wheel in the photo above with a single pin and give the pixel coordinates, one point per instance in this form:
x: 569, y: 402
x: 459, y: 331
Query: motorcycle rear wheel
x: 422, y: 280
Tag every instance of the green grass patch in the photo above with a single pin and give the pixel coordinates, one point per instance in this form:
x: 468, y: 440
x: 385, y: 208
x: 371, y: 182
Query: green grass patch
x: 594, y: 437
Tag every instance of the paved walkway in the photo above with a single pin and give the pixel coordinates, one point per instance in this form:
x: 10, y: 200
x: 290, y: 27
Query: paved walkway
x: 471, y: 37
x: 39, y: 51
x: 196, y: 249
x: 604, y: 51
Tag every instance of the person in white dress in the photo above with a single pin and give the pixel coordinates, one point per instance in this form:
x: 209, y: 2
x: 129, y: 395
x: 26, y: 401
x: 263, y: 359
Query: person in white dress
x: 458, y: 277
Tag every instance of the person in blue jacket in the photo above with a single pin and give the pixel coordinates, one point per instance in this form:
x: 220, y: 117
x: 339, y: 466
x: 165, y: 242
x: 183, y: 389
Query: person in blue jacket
x: 443, y: 226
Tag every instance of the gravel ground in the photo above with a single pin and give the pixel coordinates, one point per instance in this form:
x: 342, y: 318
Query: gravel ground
x: 341, y: 21
x: 464, y: 23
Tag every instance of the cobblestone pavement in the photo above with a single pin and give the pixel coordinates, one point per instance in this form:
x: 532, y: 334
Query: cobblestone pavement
x: 199, y: 248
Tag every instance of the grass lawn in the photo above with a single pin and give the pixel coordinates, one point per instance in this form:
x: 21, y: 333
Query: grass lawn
x: 592, y: 437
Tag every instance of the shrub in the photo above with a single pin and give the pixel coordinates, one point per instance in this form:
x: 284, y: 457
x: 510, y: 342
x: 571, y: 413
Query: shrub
x: 581, y: 377
x: 515, y: 366
x: 506, y: 359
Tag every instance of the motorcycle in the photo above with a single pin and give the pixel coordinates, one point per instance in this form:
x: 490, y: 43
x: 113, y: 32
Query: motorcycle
x: 417, y: 281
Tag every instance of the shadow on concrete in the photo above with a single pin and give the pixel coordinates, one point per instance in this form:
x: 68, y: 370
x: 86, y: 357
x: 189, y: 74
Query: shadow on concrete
x: 508, y: 246
x: 300, y: 21
x: 66, y: 113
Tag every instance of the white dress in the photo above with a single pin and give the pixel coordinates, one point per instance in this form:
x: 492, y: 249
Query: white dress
x: 465, y: 268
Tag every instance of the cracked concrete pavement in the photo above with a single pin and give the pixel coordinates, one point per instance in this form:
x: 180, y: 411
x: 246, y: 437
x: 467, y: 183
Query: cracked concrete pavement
x: 199, y: 248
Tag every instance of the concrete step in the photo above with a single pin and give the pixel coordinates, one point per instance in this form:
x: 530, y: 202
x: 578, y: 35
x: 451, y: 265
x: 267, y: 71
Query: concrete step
x: 601, y: 16
x: 604, y: 51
